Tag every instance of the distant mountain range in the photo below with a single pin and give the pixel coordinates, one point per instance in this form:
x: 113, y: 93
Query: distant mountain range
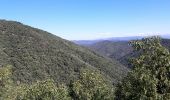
x: 114, y: 39
x: 167, y: 36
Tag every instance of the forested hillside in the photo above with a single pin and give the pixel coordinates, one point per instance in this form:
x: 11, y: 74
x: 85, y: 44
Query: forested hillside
x: 36, y: 55
x: 149, y: 76
x: 114, y: 50
x: 120, y: 50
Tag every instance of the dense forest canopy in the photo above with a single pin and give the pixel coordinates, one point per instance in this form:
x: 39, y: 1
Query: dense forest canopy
x: 36, y: 65
x: 36, y: 54
x: 149, y: 76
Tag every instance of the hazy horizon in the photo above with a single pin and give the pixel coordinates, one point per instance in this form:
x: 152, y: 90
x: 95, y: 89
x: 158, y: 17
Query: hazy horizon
x: 91, y: 19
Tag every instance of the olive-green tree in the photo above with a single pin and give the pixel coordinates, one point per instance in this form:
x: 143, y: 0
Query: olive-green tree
x: 6, y: 84
x: 138, y: 85
x: 150, y: 76
x: 92, y: 86
x: 42, y: 90
x: 46, y: 90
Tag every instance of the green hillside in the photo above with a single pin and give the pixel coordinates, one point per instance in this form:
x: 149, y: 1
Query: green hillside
x: 121, y: 50
x: 115, y: 50
x: 36, y: 55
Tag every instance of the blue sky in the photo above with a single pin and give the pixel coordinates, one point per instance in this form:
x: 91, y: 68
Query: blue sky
x: 91, y: 19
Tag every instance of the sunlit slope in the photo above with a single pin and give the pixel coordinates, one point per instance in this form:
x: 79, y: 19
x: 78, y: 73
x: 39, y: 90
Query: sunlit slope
x: 36, y: 54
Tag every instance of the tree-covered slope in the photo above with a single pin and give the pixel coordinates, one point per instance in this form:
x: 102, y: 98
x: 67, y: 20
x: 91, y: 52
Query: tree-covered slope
x: 120, y: 50
x: 111, y: 49
x: 36, y: 55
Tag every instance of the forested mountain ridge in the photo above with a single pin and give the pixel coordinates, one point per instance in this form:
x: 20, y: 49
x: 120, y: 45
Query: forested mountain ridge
x: 119, y: 50
x: 115, y: 50
x: 36, y: 54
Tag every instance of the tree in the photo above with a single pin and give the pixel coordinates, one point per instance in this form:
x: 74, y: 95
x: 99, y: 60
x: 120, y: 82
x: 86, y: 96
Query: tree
x: 138, y: 85
x: 150, y: 76
x: 6, y: 83
x: 46, y: 90
x: 42, y: 90
x: 92, y: 86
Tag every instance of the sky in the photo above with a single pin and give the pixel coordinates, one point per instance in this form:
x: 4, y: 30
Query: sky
x: 91, y: 19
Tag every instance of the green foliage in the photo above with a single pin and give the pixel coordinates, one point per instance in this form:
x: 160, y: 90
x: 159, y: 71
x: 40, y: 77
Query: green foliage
x: 138, y: 85
x: 36, y: 55
x: 150, y: 78
x: 5, y: 76
x: 155, y: 58
x: 92, y: 86
x: 120, y: 50
x: 111, y: 49
x: 42, y: 90
x: 46, y: 90
x: 5, y: 83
